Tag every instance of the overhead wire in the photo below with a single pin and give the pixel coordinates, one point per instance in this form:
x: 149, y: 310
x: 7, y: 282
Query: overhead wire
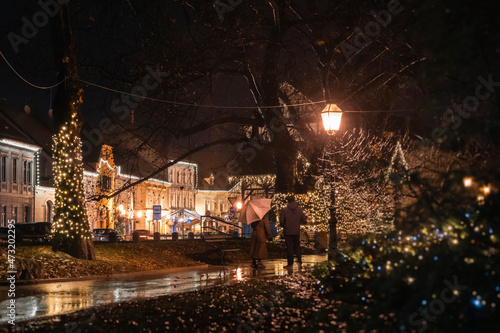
x: 28, y: 82
x: 188, y: 104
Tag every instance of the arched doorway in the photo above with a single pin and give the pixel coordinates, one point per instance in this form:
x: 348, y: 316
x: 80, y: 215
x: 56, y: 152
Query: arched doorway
x: 49, y: 211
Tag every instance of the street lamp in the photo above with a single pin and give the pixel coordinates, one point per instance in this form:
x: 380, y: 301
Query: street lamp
x: 332, y: 115
x: 467, y: 181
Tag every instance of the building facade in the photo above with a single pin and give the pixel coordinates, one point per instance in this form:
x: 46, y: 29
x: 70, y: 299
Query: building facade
x: 18, y: 161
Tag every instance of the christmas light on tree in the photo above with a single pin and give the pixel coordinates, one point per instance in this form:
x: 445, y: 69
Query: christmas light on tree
x: 363, y: 168
x: 70, y: 219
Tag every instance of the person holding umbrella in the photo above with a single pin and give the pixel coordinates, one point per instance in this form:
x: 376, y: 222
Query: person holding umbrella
x: 255, y: 213
x: 258, y: 248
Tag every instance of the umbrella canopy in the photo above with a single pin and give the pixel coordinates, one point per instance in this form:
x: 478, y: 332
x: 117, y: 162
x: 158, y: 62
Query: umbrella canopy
x: 254, y: 210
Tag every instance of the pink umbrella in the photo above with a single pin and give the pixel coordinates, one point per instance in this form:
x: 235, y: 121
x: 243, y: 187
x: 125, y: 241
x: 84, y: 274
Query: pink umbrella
x: 255, y: 210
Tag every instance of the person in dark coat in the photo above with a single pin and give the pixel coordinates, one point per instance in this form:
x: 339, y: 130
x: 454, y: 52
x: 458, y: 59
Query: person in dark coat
x: 258, y: 248
x: 291, y: 218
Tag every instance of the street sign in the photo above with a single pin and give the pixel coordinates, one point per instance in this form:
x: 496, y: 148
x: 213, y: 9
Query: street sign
x: 157, y: 212
x: 232, y: 210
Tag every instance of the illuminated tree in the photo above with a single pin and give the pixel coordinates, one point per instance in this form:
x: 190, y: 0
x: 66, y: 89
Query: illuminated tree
x: 365, y: 169
x: 70, y: 229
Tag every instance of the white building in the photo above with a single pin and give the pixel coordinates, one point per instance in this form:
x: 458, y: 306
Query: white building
x: 17, y: 180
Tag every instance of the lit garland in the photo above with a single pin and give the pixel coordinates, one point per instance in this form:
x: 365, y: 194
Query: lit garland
x: 364, y: 198
x: 357, y: 215
x: 303, y: 166
x: 254, y: 179
x: 70, y: 219
x: 393, y: 170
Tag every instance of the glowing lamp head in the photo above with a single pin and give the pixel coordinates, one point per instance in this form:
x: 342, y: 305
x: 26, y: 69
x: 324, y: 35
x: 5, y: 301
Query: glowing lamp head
x: 139, y: 214
x: 486, y: 190
x: 467, y: 181
x: 332, y: 115
x: 120, y: 207
x: 238, y: 205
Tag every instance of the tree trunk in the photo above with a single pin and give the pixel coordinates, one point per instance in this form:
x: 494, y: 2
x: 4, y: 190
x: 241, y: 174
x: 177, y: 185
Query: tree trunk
x: 283, y: 146
x: 71, y: 231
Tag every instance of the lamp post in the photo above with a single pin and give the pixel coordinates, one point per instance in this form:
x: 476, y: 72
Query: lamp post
x: 332, y: 115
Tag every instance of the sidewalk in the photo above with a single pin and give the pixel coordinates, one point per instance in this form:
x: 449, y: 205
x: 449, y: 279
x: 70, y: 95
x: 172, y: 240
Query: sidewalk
x: 55, y: 297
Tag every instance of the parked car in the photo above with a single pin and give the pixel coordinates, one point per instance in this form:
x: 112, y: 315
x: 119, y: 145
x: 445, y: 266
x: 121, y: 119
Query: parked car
x: 33, y: 231
x: 102, y: 234
x: 143, y: 234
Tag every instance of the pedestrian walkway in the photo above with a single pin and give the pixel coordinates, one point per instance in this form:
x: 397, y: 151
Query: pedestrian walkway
x: 66, y: 296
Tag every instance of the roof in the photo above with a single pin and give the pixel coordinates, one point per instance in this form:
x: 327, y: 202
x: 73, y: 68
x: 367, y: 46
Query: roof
x: 25, y: 128
x: 10, y: 130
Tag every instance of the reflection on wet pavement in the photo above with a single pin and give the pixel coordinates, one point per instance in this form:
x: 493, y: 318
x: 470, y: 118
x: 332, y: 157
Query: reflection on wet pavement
x: 54, y: 298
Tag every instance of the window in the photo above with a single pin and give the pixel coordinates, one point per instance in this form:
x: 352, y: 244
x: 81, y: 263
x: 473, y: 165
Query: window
x: 27, y: 173
x: 4, y: 168
x: 14, y: 170
x: 27, y: 216
x: 49, y: 211
x: 4, y: 216
x: 14, y: 214
x: 106, y: 182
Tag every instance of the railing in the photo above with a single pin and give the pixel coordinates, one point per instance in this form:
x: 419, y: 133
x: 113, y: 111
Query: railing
x: 205, y: 229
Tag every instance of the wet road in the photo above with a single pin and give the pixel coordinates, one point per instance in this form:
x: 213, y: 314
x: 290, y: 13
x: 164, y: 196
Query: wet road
x: 54, y: 298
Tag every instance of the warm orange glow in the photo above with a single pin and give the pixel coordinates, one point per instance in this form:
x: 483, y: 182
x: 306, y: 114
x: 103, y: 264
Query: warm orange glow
x: 120, y: 208
x: 139, y: 214
x: 239, y: 274
x: 467, y: 181
x: 486, y: 190
x: 332, y: 115
x: 238, y: 205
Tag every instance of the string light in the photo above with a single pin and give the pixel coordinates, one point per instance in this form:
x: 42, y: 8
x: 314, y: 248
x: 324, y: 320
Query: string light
x: 70, y: 218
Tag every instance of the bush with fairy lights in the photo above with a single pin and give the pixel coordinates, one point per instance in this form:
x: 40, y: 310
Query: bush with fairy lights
x: 444, y: 277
